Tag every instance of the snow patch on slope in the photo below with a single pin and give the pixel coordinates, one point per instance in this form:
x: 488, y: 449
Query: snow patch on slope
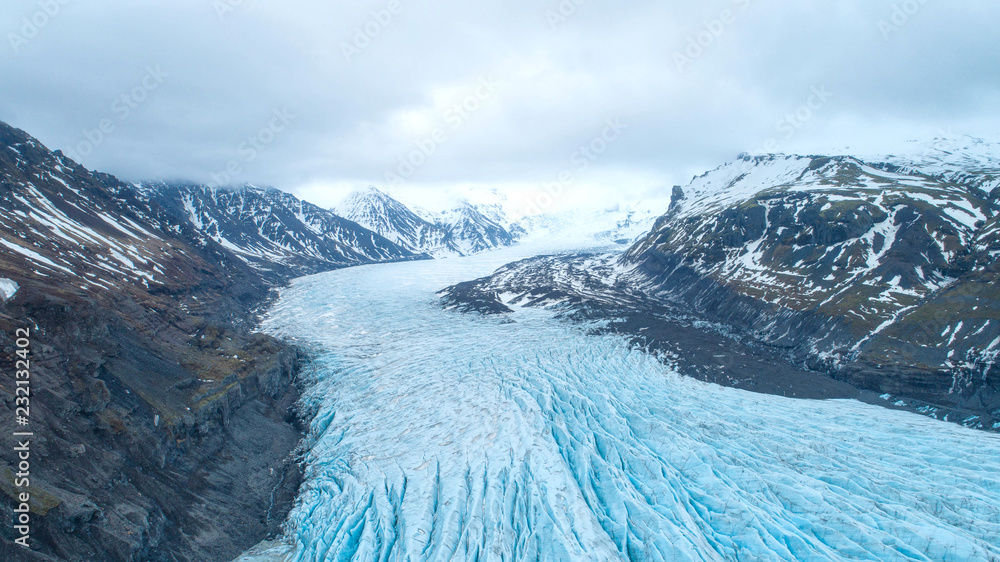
x: 8, y: 289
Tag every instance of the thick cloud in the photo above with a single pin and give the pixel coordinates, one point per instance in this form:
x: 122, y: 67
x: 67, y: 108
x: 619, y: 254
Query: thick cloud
x: 500, y: 93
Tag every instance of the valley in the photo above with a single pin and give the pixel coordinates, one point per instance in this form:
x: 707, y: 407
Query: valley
x: 208, y: 351
x: 439, y: 434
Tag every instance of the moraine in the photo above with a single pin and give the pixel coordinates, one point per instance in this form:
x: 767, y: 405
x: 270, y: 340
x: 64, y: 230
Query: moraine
x: 447, y: 436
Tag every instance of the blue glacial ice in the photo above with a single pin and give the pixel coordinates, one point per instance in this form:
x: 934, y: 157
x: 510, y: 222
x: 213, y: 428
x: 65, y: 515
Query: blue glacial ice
x: 445, y: 436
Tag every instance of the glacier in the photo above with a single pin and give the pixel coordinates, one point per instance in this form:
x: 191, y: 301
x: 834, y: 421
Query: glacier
x: 439, y: 435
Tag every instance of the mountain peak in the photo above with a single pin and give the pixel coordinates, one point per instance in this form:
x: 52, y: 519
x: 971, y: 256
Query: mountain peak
x: 465, y: 229
x: 368, y: 193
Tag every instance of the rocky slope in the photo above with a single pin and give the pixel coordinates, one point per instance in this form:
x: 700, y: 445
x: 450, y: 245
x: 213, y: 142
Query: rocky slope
x: 880, y: 276
x: 163, y: 423
x: 875, y: 274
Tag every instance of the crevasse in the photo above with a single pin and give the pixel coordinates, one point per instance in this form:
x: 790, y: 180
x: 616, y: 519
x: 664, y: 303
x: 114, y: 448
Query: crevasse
x: 446, y: 436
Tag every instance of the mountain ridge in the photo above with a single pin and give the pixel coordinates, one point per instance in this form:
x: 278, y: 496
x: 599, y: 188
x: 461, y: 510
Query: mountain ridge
x: 274, y: 231
x: 461, y: 231
x: 875, y: 276
x: 852, y: 256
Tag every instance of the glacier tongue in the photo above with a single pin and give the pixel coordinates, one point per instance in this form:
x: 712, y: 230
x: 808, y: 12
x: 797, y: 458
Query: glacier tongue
x: 444, y: 436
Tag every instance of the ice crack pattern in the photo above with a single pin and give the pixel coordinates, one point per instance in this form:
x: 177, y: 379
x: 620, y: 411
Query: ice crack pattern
x: 449, y: 436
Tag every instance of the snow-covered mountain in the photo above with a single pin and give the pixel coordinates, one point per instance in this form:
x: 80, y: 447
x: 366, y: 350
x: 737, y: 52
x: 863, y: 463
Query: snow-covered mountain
x: 63, y: 225
x: 483, y: 221
x: 883, y: 275
x: 465, y: 230
x: 379, y: 212
x: 961, y: 159
x: 475, y: 229
x: 492, y: 203
x: 64, y: 220
x: 804, y: 228
x: 274, y: 231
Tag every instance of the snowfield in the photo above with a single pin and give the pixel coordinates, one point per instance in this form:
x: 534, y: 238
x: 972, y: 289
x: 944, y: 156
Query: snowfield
x: 448, y: 436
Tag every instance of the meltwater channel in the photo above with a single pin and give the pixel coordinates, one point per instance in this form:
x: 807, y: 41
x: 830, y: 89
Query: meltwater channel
x: 447, y: 436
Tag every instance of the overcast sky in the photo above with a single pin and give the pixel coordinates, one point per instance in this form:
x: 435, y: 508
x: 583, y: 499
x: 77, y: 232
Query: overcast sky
x: 498, y: 93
